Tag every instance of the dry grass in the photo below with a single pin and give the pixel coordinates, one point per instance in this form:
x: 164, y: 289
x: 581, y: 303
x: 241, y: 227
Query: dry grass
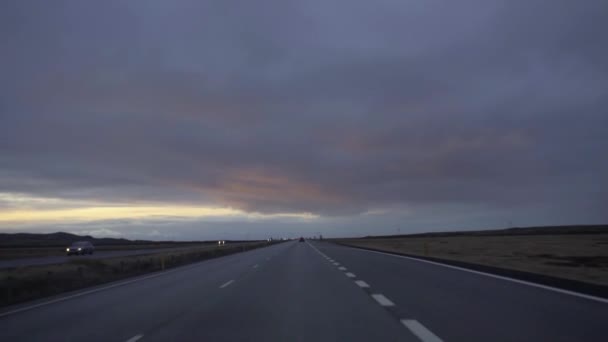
x: 578, y: 257
x: 32, y: 282
x: 18, y: 253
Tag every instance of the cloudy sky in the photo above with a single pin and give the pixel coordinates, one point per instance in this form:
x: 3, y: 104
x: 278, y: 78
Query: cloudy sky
x: 237, y: 119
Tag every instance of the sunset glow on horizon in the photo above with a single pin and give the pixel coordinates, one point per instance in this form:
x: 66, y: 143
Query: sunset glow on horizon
x: 29, y: 210
x: 205, y: 119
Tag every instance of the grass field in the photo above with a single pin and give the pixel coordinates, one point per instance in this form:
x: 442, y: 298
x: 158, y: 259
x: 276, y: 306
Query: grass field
x: 32, y: 282
x: 582, y: 257
x: 18, y: 253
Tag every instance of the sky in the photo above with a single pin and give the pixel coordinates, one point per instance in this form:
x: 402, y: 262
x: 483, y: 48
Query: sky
x: 239, y: 119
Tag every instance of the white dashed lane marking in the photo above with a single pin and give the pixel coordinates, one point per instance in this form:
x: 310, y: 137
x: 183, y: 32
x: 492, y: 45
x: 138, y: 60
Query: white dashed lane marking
x: 382, y: 300
x: 135, y: 338
x: 415, y: 327
x: 495, y: 276
x: 362, y: 284
x: 420, y: 330
x: 226, y: 284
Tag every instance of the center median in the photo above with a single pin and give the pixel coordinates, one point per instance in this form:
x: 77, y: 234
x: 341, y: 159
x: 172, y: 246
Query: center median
x: 33, y: 282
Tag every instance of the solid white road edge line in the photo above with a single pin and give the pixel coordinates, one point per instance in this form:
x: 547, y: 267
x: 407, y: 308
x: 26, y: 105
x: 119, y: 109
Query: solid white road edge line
x: 382, y: 300
x: 513, y: 280
x: 135, y: 338
x: 361, y: 283
x: 420, y: 330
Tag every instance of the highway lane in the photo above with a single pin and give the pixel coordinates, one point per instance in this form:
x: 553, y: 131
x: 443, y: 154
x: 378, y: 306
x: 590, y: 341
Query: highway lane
x: 463, y: 306
x: 313, y: 291
x: 99, y: 254
x: 286, y: 292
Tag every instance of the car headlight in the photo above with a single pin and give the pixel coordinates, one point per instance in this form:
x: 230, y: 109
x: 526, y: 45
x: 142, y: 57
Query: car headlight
x: 79, y: 249
x: 67, y: 249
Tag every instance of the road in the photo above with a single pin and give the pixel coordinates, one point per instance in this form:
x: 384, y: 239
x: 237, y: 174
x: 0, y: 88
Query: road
x: 311, y: 292
x: 99, y: 254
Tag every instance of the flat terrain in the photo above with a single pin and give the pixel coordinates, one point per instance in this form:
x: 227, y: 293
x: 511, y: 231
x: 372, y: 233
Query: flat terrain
x: 100, y: 253
x: 582, y: 257
x: 20, y: 284
x: 310, y: 292
x: 7, y: 253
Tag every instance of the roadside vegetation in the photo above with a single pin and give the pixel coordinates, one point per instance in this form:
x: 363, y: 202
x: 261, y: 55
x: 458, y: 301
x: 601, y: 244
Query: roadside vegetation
x: 32, y: 282
x: 37, y: 252
x: 30, y: 245
x: 580, y: 257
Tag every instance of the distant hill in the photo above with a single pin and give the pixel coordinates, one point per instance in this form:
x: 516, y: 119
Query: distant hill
x: 543, y: 230
x: 18, y: 240
x: 60, y: 239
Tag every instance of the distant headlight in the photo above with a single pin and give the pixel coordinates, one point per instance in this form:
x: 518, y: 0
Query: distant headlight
x: 79, y: 249
x: 67, y: 249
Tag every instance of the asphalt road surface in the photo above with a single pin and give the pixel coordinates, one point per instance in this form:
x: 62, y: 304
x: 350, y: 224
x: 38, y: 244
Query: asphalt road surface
x: 311, y: 292
x: 98, y: 254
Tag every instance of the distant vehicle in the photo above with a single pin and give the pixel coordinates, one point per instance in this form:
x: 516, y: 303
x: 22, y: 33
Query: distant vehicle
x: 301, y: 239
x: 80, y: 248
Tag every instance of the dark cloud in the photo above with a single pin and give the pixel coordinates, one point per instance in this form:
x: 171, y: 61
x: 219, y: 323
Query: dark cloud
x: 335, y: 108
